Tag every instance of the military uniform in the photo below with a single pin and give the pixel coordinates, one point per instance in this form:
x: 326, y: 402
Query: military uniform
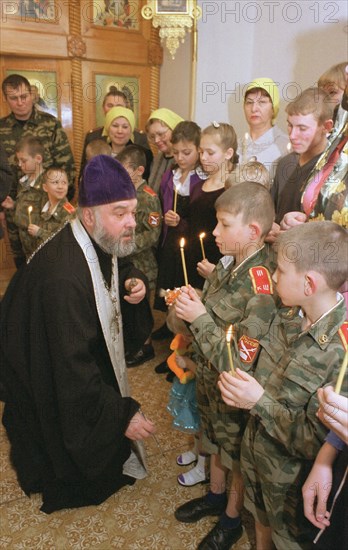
x: 29, y: 194
x: 50, y: 222
x: 147, y: 232
x: 49, y: 130
x: 283, y: 435
x: 242, y: 296
x: 57, y: 152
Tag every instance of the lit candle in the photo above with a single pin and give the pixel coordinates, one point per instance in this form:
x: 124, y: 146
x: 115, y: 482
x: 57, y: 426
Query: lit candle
x: 182, y: 244
x: 229, y: 337
x: 30, y: 209
x: 201, y: 237
x: 342, y: 373
x: 289, y: 147
x: 175, y: 199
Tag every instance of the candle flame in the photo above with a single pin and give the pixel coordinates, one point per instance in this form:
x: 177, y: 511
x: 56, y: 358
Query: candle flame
x: 202, y: 235
x: 182, y: 243
x: 229, y: 334
x: 30, y: 209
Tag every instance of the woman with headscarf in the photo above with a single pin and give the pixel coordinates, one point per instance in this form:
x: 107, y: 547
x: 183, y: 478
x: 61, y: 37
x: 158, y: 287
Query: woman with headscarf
x: 264, y: 142
x: 119, y: 127
x: 159, y: 128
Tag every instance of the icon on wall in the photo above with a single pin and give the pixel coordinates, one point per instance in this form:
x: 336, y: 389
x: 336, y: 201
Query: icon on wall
x: 117, y: 14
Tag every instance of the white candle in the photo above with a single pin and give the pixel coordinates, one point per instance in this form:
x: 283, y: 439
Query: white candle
x: 30, y: 209
x: 182, y: 251
x: 229, y: 337
x: 201, y: 237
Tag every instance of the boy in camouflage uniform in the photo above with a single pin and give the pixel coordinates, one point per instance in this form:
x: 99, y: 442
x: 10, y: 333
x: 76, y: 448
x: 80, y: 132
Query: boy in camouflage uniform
x: 302, y: 352
x: 148, y: 217
x: 239, y: 293
x: 27, y: 206
x: 147, y: 232
x: 56, y: 210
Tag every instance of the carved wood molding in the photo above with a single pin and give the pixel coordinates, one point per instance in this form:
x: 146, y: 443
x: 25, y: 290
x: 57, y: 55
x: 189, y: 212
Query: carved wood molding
x: 76, y: 46
x: 76, y: 49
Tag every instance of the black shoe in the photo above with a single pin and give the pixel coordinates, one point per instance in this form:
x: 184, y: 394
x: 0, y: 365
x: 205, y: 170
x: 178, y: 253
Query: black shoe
x: 144, y: 354
x: 162, y: 333
x: 162, y: 368
x: 198, y: 508
x: 170, y: 376
x: 220, y: 539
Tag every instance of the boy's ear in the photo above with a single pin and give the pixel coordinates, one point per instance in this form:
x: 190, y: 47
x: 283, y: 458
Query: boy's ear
x: 141, y: 170
x: 311, y: 283
x: 328, y: 125
x: 256, y: 231
x: 44, y: 187
x: 39, y: 158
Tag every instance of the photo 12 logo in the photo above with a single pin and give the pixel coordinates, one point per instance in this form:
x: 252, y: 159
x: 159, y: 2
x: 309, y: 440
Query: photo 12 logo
x: 270, y: 11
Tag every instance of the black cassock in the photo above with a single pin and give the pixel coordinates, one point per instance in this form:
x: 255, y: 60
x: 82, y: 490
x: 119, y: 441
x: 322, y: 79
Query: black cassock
x: 64, y: 415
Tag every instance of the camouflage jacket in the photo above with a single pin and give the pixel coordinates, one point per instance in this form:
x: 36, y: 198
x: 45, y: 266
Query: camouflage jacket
x: 47, y: 128
x: 292, y: 365
x: 28, y: 195
x: 147, y: 232
x: 50, y: 222
x: 242, y: 296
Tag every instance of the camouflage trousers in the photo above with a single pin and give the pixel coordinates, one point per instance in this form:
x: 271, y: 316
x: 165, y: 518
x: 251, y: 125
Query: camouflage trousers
x: 273, y: 486
x: 222, y: 425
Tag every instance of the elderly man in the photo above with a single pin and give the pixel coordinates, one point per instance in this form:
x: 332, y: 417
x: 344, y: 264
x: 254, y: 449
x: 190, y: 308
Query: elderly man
x: 74, y: 429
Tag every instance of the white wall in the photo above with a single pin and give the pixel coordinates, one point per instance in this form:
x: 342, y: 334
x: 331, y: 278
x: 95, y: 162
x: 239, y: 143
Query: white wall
x: 292, y: 42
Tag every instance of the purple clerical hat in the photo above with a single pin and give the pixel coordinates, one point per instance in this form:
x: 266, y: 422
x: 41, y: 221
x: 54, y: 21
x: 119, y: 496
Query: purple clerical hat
x: 104, y: 181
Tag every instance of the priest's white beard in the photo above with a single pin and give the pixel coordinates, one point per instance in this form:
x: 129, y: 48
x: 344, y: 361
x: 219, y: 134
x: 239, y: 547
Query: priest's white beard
x: 109, y: 243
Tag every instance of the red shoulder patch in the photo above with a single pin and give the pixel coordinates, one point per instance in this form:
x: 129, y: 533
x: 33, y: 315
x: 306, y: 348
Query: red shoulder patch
x: 248, y: 348
x: 261, y: 279
x: 343, y: 332
x: 69, y: 207
x: 150, y: 191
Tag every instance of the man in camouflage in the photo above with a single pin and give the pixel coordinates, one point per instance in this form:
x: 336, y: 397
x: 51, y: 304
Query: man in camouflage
x: 26, y: 119
x: 302, y: 352
x: 239, y: 292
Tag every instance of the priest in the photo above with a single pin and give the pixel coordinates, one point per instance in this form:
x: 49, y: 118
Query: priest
x: 74, y: 429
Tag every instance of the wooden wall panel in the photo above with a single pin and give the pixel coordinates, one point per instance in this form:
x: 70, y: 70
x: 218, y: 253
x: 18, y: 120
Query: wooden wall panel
x: 76, y: 49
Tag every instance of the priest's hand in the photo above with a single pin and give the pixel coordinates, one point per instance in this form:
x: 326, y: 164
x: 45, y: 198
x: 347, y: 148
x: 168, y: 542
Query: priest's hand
x: 136, y: 290
x: 139, y: 427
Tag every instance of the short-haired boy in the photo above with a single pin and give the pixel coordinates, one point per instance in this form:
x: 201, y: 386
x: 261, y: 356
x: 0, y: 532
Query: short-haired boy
x: 56, y: 210
x: 239, y: 293
x: 302, y: 352
x: 26, y: 208
x: 309, y: 121
x: 147, y: 231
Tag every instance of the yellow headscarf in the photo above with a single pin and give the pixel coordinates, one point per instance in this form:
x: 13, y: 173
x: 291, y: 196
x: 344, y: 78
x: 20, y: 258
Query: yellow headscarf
x: 167, y: 116
x: 117, y: 112
x: 271, y: 88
